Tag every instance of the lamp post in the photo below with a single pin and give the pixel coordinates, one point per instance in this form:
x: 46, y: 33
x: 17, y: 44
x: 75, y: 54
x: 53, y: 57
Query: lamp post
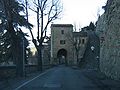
x: 23, y: 57
x: 0, y: 21
x: 92, y: 48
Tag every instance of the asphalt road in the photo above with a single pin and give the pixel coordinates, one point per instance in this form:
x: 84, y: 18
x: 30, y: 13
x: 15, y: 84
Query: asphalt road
x: 60, y: 78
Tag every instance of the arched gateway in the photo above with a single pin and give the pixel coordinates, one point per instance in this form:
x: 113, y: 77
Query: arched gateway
x: 62, y: 56
x: 62, y: 49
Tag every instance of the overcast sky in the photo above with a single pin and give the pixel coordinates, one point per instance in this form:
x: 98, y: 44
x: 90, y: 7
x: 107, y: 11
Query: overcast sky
x: 81, y: 12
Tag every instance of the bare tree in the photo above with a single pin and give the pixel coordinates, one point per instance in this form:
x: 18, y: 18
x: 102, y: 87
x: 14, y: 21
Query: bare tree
x: 47, y: 11
x: 76, y: 44
x: 75, y: 41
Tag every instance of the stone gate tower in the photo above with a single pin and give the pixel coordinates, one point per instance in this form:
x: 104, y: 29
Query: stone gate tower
x: 61, y: 46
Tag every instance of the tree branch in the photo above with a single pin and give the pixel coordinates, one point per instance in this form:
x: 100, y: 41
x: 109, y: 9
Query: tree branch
x: 44, y: 4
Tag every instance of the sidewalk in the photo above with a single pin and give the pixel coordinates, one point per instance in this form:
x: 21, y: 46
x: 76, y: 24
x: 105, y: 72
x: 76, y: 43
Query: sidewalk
x: 12, y: 83
x: 101, y: 80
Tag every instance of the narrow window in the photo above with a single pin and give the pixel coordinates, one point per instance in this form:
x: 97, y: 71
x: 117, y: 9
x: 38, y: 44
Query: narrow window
x: 79, y: 41
x: 62, y: 41
x: 83, y: 41
x: 62, y: 31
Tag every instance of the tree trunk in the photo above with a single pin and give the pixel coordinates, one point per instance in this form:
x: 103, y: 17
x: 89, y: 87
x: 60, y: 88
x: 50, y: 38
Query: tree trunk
x: 39, y: 67
x: 19, y: 58
x: 77, y: 56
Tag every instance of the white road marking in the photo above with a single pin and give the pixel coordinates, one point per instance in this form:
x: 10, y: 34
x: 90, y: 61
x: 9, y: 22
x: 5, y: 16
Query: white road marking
x: 31, y: 80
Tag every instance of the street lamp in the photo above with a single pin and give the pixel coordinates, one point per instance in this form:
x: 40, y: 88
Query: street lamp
x: 92, y: 48
x: 23, y: 56
x: 0, y: 21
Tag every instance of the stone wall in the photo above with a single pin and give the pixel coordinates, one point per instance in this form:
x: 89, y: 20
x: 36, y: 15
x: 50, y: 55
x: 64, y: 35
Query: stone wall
x: 10, y: 71
x: 108, y: 29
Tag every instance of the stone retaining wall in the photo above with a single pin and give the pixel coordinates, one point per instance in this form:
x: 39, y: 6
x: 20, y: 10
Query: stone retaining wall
x: 108, y: 29
x: 10, y: 71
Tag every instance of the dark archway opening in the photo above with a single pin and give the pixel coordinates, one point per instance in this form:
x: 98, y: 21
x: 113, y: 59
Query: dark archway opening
x: 62, y: 56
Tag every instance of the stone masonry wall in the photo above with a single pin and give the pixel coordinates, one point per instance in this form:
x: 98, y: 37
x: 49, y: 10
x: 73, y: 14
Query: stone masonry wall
x: 108, y: 29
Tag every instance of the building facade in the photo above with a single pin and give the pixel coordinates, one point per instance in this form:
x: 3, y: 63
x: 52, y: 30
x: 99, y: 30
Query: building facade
x: 63, y: 44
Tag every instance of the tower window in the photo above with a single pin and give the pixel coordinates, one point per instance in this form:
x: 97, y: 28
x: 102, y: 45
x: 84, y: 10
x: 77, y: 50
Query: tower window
x: 62, y: 31
x: 62, y: 41
x: 83, y: 41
